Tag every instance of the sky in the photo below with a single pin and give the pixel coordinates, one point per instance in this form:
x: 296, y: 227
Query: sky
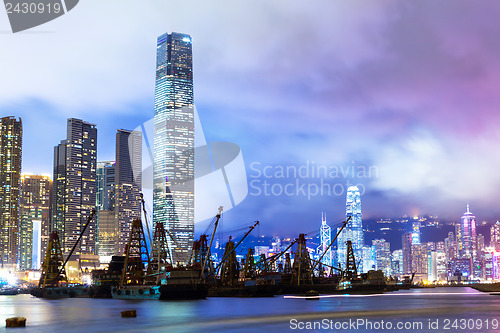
x: 399, y: 97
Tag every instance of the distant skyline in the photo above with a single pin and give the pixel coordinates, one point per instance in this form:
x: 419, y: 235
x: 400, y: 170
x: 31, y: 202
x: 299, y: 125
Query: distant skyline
x: 407, y: 87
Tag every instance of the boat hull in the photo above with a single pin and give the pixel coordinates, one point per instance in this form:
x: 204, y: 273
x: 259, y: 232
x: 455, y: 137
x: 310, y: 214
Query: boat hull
x: 180, y: 292
x: 144, y: 292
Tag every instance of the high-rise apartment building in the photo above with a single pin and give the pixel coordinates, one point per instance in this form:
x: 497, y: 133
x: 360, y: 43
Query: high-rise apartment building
x: 173, y: 167
x: 128, y: 184
x: 354, y: 229
x: 11, y: 138
x: 34, y: 212
x: 75, y: 186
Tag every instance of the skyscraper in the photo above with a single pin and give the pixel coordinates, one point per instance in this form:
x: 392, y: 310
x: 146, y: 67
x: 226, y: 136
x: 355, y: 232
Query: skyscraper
x: 325, y: 237
x: 495, y: 236
x: 11, y: 138
x: 382, y: 251
x: 35, y: 209
x: 75, y: 186
x: 173, y: 167
x: 128, y: 185
x: 467, y: 244
x: 407, y: 255
x: 419, y: 262
x: 354, y: 229
x: 107, y: 227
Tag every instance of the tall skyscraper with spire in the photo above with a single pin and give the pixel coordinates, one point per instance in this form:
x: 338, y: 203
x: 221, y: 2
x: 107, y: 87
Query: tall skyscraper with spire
x: 325, y: 233
x: 173, y: 167
x: 467, y: 243
x: 353, y: 230
x: 11, y: 138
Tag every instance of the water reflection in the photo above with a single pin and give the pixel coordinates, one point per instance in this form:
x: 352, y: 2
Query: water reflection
x: 243, y: 314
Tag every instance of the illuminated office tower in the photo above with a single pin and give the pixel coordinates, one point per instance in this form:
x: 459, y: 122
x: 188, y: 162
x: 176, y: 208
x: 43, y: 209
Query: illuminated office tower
x: 382, y: 250
x: 495, y: 236
x: 325, y: 239
x: 397, y: 262
x: 75, y: 186
x: 354, y: 229
x: 128, y: 178
x: 107, y: 229
x: 419, y: 261
x: 34, y: 212
x: 407, y: 255
x: 173, y: 167
x: 11, y: 134
x: 467, y: 244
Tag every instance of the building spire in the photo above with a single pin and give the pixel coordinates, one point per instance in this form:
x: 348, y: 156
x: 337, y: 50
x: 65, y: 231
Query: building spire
x: 468, y: 208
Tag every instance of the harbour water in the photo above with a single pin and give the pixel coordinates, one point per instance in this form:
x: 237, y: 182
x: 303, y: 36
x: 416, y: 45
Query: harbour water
x: 437, y: 309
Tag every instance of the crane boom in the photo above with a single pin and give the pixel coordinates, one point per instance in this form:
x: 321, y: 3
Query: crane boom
x: 331, y: 243
x: 241, y: 240
x: 211, y: 240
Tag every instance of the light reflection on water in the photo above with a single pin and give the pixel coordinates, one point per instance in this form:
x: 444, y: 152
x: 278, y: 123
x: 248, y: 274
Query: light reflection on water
x: 245, y: 314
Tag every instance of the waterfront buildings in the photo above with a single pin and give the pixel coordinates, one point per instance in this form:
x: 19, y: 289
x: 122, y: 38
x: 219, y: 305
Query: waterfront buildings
x: 173, y: 167
x: 354, y: 229
x: 11, y: 134
x: 75, y: 186
x: 34, y: 220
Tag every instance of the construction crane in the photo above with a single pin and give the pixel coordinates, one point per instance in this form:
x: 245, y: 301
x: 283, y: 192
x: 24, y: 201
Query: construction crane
x: 208, y: 254
x: 231, y: 250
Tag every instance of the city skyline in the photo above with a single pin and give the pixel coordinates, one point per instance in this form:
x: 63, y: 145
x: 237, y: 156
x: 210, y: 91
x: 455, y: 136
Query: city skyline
x: 363, y: 101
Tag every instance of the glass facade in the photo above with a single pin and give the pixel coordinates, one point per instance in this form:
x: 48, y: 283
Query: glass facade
x: 467, y: 243
x: 325, y: 239
x: 353, y: 231
x: 173, y: 169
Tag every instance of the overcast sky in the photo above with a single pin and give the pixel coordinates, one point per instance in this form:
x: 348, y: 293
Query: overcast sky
x: 406, y: 89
